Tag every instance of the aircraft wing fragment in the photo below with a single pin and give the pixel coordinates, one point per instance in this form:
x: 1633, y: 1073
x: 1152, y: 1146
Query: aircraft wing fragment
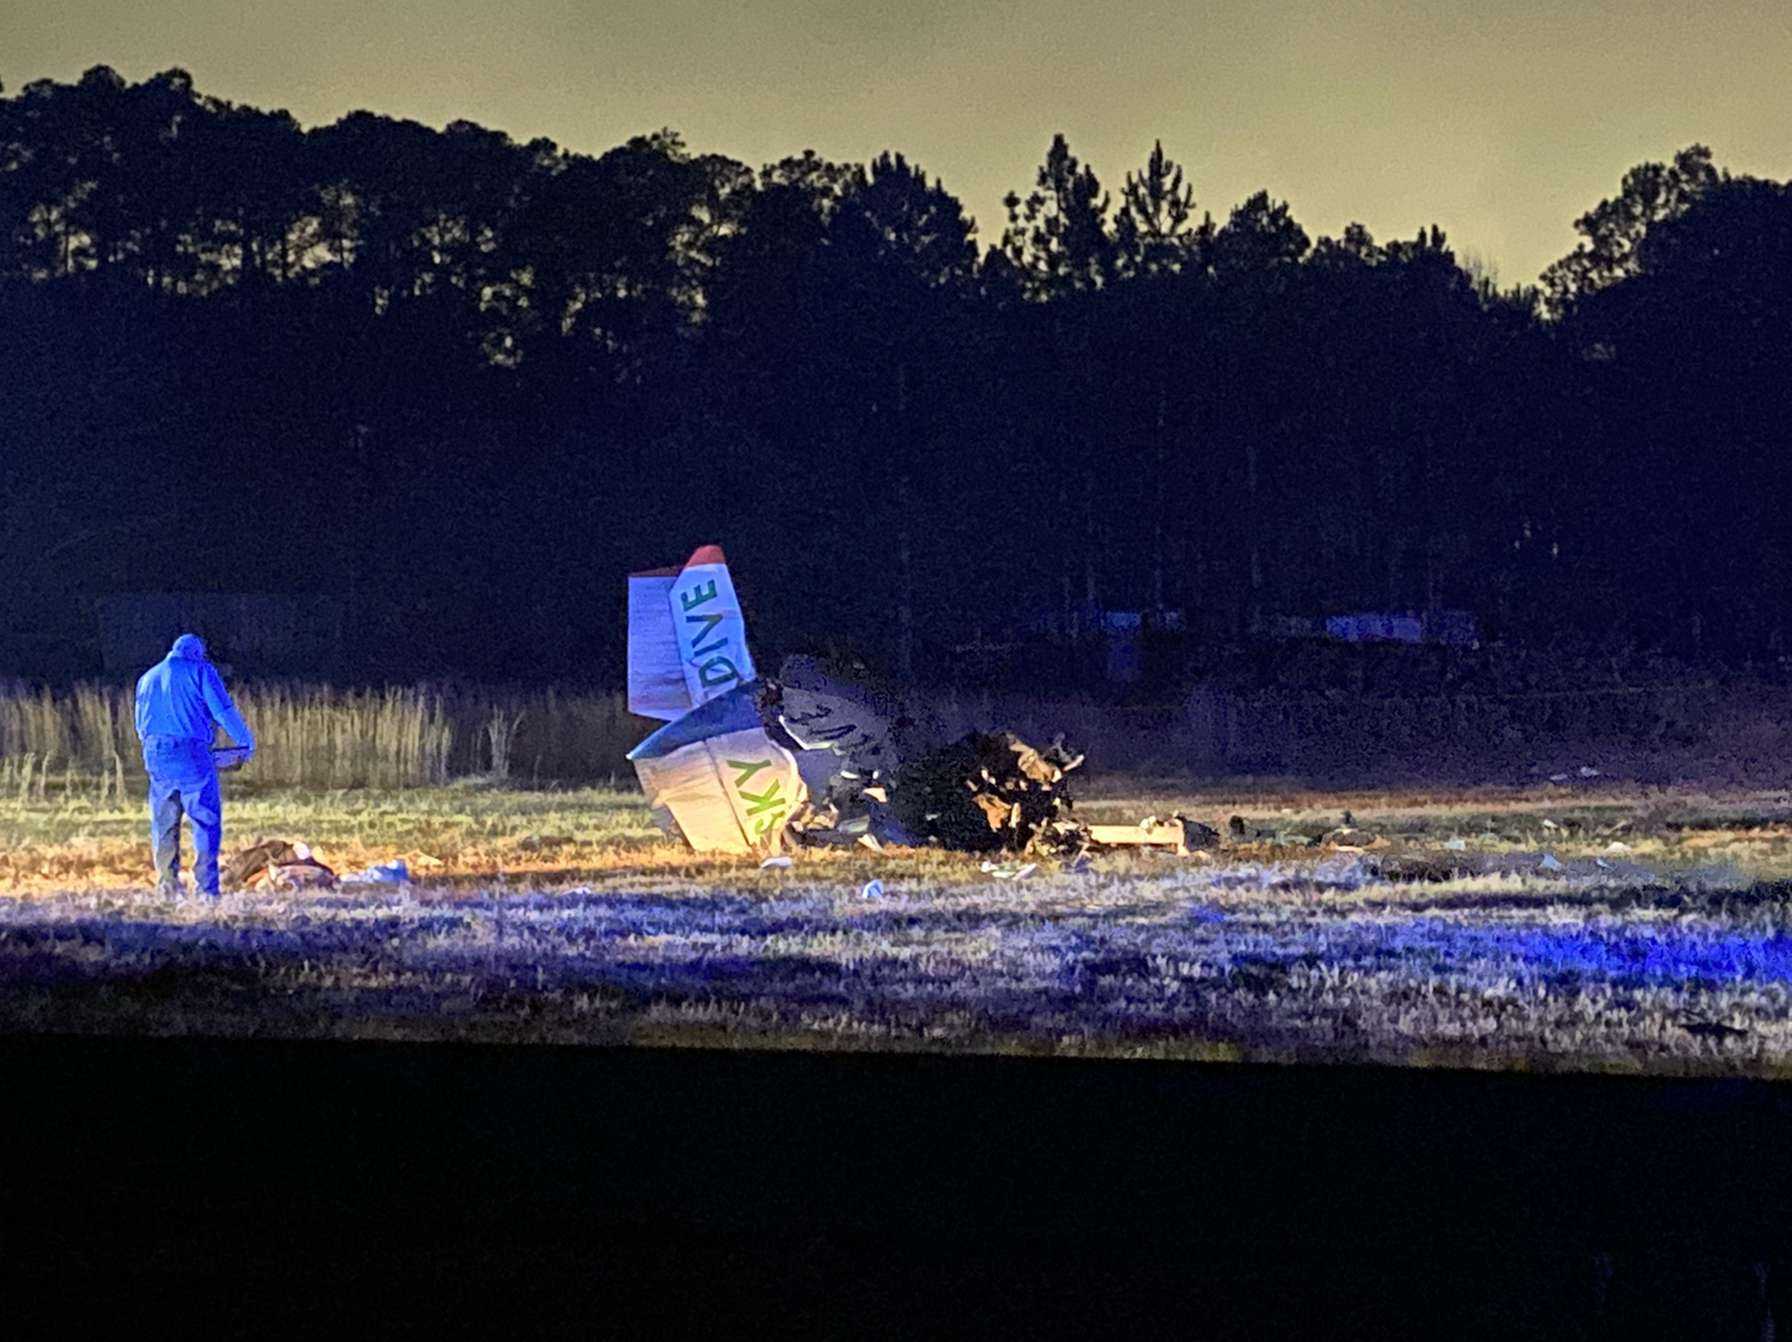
x: 719, y: 777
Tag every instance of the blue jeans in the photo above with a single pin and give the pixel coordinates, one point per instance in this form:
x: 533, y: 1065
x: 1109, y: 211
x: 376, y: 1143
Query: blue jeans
x: 183, y: 780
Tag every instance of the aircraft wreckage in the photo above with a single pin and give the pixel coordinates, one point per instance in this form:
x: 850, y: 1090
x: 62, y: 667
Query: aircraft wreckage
x: 749, y: 763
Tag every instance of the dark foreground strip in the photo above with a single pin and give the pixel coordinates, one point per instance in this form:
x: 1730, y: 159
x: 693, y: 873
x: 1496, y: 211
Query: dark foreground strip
x: 852, y: 1195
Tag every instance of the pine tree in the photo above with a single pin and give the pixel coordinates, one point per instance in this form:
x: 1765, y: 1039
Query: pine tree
x: 1155, y: 231
x: 1058, y: 236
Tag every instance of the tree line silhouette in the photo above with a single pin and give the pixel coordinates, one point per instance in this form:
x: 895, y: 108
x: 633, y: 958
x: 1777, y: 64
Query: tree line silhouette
x: 468, y: 383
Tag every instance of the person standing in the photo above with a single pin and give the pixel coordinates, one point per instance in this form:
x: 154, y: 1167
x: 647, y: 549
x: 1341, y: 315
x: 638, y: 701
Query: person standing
x: 181, y: 700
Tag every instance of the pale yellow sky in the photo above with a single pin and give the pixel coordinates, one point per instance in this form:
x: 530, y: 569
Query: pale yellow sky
x: 1501, y: 120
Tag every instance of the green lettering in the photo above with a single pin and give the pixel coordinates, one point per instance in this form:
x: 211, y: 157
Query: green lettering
x: 745, y: 769
x: 698, y: 595
x: 762, y: 801
x: 708, y: 622
x: 717, y: 671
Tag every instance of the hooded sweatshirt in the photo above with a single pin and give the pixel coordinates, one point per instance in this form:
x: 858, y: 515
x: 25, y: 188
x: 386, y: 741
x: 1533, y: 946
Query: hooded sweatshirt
x: 183, y: 696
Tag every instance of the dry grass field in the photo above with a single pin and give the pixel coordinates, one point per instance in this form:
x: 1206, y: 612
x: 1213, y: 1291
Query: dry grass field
x: 1587, y: 926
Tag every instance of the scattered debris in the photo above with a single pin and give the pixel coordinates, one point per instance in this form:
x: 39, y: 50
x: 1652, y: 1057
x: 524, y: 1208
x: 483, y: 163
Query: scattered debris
x: 303, y: 872
x: 866, y: 727
x: 1010, y: 871
x: 1348, y: 837
x: 1586, y: 771
x: 988, y: 791
x: 1178, y: 834
x: 1197, y: 836
x: 1710, y: 1029
x: 873, y: 890
x: 1239, y: 831
x: 1417, y: 868
x: 818, y: 754
x: 250, y: 864
x: 395, y: 872
x: 277, y: 864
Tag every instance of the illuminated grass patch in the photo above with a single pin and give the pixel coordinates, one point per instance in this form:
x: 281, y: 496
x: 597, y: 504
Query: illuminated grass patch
x: 561, y: 918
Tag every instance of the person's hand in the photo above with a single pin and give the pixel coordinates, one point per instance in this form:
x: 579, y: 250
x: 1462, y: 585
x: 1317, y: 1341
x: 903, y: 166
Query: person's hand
x: 231, y: 758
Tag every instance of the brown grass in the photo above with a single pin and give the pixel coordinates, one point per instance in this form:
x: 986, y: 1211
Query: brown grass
x: 562, y: 916
x: 320, y: 737
x: 421, y: 736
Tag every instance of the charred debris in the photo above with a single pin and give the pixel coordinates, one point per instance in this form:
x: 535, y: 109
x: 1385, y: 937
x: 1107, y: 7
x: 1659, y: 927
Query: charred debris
x: 880, y: 771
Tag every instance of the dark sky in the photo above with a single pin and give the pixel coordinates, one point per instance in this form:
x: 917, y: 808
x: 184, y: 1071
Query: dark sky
x: 1502, y: 120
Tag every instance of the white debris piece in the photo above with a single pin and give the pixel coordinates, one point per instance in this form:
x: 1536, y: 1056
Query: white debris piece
x: 395, y: 872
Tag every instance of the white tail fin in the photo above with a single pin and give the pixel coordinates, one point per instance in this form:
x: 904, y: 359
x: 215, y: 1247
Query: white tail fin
x: 687, y: 640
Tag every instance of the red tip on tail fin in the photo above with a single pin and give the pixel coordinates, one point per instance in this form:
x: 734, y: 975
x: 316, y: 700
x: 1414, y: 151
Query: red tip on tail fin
x: 704, y: 554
